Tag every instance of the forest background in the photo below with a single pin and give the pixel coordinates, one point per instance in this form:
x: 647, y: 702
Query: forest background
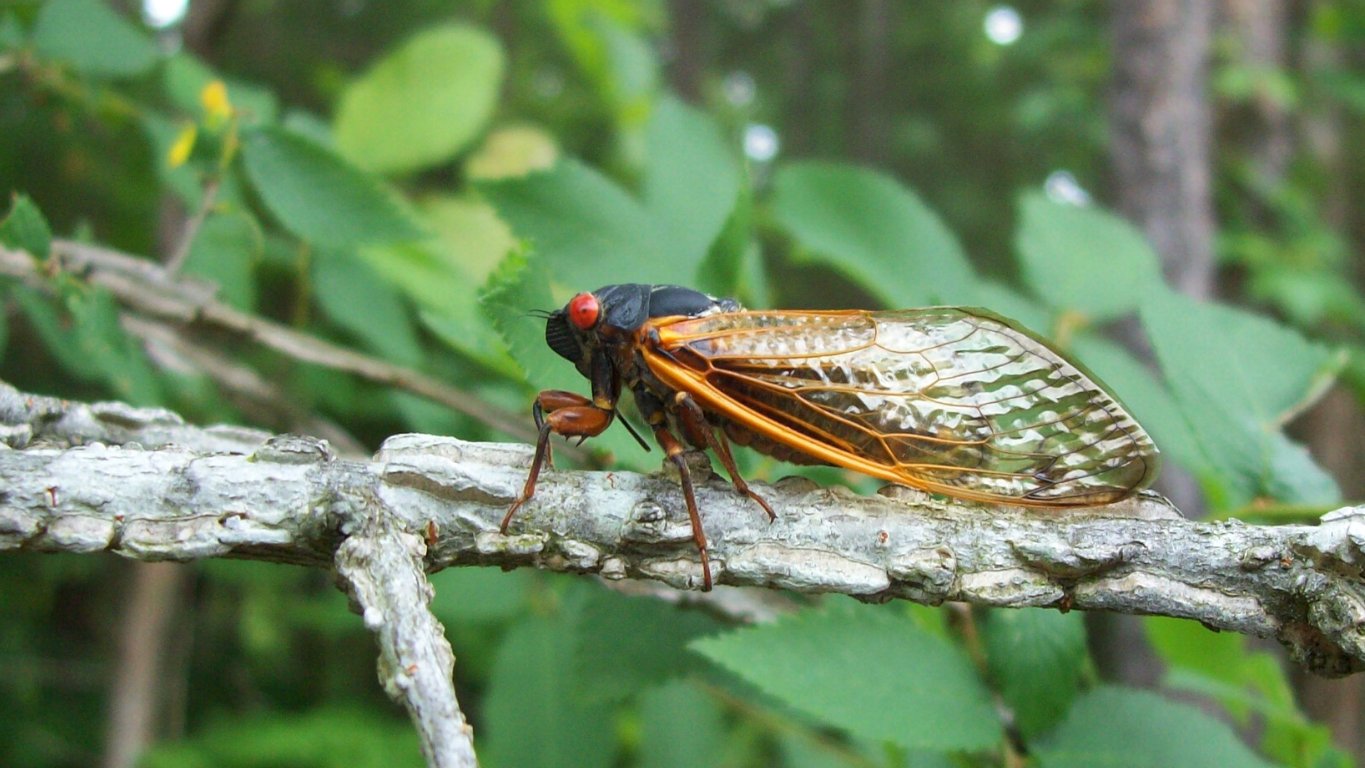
x: 1170, y: 190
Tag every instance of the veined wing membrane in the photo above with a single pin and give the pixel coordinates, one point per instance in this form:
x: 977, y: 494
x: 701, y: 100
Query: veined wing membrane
x: 948, y: 399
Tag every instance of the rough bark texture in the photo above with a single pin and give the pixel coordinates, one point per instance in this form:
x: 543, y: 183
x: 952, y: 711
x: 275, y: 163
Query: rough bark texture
x: 440, y: 500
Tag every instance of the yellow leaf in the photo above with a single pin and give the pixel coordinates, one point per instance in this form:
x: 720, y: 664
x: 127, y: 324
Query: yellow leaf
x: 183, y: 146
x: 214, y: 98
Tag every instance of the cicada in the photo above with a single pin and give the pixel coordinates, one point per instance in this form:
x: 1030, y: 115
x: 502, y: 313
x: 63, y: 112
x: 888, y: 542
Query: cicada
x: 952, y: 400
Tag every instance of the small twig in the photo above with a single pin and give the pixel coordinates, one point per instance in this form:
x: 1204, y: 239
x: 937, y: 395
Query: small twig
x: 264, y: 402
x: 182, y: 249
x: 381, y: 567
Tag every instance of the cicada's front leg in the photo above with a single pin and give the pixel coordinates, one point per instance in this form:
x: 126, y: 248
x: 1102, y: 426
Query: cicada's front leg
x: 560, y: 413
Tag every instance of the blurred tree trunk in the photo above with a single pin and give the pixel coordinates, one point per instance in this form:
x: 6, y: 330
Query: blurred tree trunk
x: 870, y: 102
x: 1334, y: 427
x: 145, y: 631
x: 687, y: 25
x: 1159, y: 124
x: 1160, y: 143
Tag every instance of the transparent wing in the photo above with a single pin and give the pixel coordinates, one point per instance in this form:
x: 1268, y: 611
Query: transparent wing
x: 949, y: 399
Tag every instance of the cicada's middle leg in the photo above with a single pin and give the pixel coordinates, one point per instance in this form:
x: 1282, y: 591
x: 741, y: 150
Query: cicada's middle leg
x: 700, y: 432
x: 560, y: 413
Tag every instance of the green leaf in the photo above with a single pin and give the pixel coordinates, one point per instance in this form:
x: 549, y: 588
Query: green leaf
x: 875, y: 231
x: 318, y: 196
x: 1036, y: 658
x: 479, y: 595
x: 868, y: 669
x: 185, y: 76
x: 1121, y: 728
x: 681, y: 727
x: 532, y: 711
x: 89, y: 343
x: 92, y: 38
x: 722, y: 272
x: 605, y: 41
x: 1145, y: 396
x: 443, y: 274
x: 1083, y: 259
x: 25, y: 229
x: 586, y: 231
x: 225, y: 252
x: 1236, y: 377
x: 329, y: 736
x: 684, y: 155
x: 421, y: 103
x: 629, y: 643
x: 353, y: 297
x: 514, y: 290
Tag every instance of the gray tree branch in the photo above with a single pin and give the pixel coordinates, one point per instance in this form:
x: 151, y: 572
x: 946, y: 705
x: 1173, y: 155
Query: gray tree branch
x: 155, y: 489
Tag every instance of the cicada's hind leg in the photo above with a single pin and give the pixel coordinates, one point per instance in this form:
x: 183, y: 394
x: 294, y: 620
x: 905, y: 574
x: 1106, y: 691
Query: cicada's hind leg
x: 674, y: 451
x: 561, y: 413
x: 699, y: 430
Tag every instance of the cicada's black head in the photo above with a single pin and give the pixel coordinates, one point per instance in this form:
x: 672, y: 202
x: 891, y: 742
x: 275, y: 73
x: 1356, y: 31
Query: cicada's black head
x: 612, y: 314
x: 561, y: 337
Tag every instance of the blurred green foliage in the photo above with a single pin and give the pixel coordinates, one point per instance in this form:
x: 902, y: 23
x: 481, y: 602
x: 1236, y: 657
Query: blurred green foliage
x: 410, y: 179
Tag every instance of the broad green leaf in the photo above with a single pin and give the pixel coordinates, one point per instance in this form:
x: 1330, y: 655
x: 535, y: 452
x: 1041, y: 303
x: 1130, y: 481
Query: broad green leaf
x: 875, y: 231
x: 1145, y: 397
x: 92, y: 38
x: 627, y: 644
x: 353, y: 297
x: 421, y: 103
x: 1295, y: 475
x: 533, y: 712
x: 25, y: 229
x: 691, y: 179
x: 869, y: 670
x: 1122, y: 728
x: 11, y: 31
x: 514, y: 290
x: 185, y: 76
x: 1005, y: 300
x: 479, y: 595
x: 443, y: 274
x: 586, y: 231
x: 318, y: 196
x: 1036, y: 658
x: 1083, y: 259
x: 87, y: 340
x: 328, y: 736
x: 605, y: 41
x: 722, y: 272
x: 681, y: 727
x: 1236, y: 377
x: 225, y: 252
x: 512, y: 151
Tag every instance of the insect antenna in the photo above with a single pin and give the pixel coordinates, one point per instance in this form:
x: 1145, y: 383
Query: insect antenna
x: 634, y: 434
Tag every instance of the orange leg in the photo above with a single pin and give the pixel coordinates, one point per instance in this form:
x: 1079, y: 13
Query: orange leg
x: 674, y: 451
x: 561, y: 413
x: 695, y: 423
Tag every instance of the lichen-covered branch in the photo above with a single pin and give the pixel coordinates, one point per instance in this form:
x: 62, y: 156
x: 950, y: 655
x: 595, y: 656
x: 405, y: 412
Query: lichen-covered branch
x: 288, y: 499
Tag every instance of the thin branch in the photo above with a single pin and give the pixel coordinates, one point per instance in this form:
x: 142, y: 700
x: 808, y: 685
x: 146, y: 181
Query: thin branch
x: 145, y: 287
x: 382, y: 569
x: 207, y: 199
x: 290, y: 501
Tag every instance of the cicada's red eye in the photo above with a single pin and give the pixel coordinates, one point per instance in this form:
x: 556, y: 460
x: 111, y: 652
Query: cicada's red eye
x: 584, y: 311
